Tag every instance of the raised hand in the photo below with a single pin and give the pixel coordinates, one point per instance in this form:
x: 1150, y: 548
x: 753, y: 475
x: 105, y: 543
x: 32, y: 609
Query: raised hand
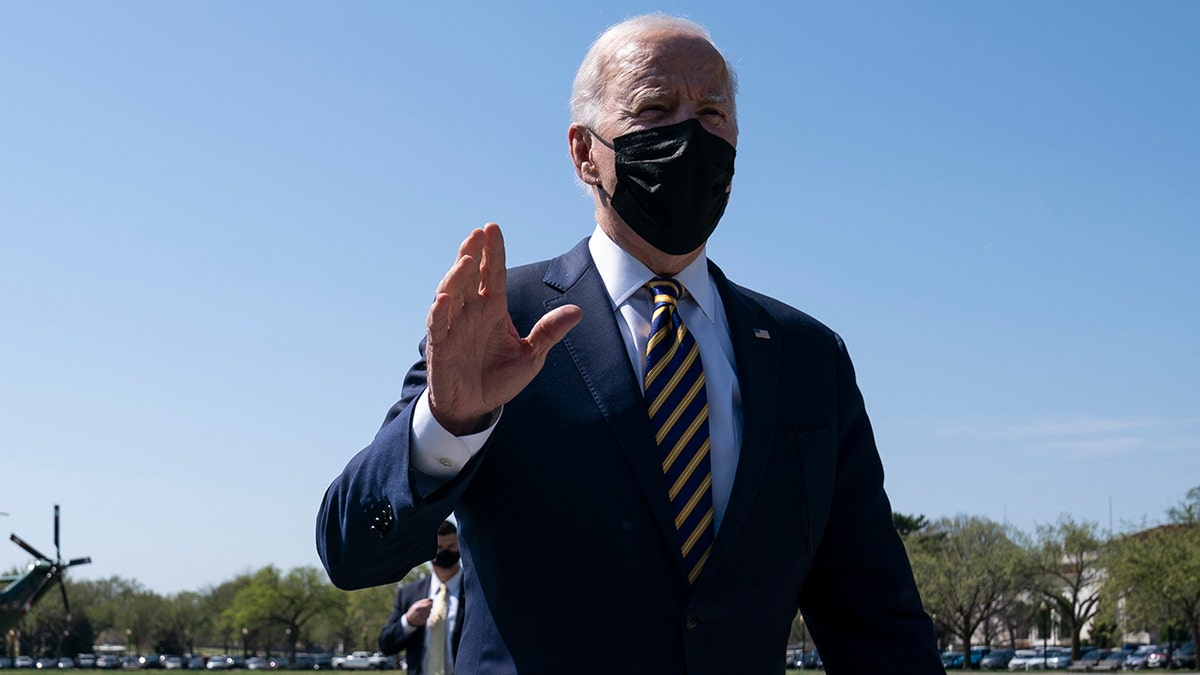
x: 418, y: 613
x: 476, y: 360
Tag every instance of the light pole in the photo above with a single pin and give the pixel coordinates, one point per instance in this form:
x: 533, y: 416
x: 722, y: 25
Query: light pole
x: 1045, y: 629
x: 803, y: 643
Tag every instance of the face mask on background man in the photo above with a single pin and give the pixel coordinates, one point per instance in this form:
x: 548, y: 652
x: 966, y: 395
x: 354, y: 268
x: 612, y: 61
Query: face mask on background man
x: 445, y: 558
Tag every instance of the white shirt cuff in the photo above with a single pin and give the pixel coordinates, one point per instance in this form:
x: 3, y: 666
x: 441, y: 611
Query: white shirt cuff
x: 437, y: 453
x: 408, y: 630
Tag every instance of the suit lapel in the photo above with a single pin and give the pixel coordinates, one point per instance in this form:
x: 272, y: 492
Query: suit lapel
x: 598, y: 350
x: 758, y: 355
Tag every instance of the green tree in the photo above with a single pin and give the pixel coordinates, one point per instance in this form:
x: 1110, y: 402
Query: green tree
x: 1069, y: 569
x: 368, y: 610
x: 274, y: 604
x: 48, y: 630
x: 1157, y: 571
x: 967, y: 569
x: 216, y: 599
x: 907, y: 524
x: 188, y: 620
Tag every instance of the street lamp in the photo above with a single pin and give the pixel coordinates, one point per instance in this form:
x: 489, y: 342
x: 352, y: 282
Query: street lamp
x: 803, y: 643
x: 1045, y: 629
x: 245, y: 642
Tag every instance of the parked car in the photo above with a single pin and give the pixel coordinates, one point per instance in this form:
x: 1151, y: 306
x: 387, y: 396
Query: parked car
x: 65, y: 663
x: 997, y: 659
x: 85, y: 660
x: 809, y: 660
x: 1137, y: 660
x: 1112, y: 660
x: 361, y: 661
x: 1022, y: 657
x: 5, y: 662
x: 1089, y: 660
x: 1185, y: 656
x: 1161, y: 657
x: 977, y: 654
x: 108, y: 662
x: 219, y: 662
x: 1055, y: 658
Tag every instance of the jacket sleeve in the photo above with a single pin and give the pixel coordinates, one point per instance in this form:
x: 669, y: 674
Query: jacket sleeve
x: 373, y: 525
x: 860, y: 600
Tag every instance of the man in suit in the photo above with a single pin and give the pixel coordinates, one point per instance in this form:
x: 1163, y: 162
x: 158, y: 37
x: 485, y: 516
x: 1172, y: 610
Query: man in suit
x: 668, y: 464
x: 429, y: 611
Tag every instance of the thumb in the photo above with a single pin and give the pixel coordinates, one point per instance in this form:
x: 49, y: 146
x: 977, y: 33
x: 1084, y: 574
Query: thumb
x: 553, y: 327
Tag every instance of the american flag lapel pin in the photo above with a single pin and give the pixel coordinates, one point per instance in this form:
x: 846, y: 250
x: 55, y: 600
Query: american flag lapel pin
x: 762, y: 334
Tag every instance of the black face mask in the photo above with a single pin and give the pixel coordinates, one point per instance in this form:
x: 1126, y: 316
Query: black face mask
x: 672, y: 184
x: 445, y: 558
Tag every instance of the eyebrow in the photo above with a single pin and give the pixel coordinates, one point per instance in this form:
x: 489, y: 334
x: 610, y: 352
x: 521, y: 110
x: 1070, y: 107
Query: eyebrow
x: 723, y: 99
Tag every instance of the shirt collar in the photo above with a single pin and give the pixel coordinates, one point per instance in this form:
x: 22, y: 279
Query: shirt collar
x: 452, y: 584
x: 624, y: 275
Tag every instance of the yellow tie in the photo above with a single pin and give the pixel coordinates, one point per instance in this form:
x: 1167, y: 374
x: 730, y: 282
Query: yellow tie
x: 678, y: 403
x: 437, y: 632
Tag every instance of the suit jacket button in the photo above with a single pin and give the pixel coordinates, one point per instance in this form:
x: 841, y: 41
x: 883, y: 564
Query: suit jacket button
x: 691, y: 620
x: 379, y: 513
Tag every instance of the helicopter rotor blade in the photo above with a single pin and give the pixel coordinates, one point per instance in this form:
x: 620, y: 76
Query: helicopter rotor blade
x: 57, y: 550
x: 66, y: 605
x: 23, y: 544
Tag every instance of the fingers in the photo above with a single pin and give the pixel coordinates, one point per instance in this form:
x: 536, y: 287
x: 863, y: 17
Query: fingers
x: 492, y: 269
x: 462, y: 280
x: 459, y: 286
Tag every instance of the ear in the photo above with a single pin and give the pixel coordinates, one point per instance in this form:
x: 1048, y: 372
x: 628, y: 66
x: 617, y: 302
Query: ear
x: 579, y: 141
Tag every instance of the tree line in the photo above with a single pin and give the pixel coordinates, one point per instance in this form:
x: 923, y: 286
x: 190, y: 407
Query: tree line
x: 978, y: 579
x: 264, y: 612
x: 984, y: 581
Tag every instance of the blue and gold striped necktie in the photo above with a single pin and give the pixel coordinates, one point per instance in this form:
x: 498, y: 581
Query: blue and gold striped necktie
x: 674, y: 386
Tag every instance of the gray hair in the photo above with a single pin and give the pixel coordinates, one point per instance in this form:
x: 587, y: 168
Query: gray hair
x: 587, y: 95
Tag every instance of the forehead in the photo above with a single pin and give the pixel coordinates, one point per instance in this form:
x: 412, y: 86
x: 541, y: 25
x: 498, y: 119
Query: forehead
x: 666, y: 61
x: 444, y: 540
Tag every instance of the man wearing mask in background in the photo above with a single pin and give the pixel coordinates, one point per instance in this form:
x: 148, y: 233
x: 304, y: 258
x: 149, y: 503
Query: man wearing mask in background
x: 429, y: 612
x: 668, y: 465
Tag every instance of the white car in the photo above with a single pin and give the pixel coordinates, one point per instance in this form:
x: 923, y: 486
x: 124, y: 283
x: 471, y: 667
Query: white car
x: 1022, y: 658
x: 1055, y: 658
x: 361, y: 661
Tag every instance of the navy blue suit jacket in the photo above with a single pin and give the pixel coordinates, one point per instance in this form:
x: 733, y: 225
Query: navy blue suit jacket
x: 565, y: 526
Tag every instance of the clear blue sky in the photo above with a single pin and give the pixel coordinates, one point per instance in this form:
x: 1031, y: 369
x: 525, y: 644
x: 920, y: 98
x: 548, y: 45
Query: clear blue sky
x: 221, y: 225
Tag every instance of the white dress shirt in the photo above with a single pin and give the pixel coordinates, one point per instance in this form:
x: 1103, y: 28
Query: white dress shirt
x: 441, y: 455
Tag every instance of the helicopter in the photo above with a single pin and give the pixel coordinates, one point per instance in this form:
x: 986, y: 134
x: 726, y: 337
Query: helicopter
x: 19, y: 593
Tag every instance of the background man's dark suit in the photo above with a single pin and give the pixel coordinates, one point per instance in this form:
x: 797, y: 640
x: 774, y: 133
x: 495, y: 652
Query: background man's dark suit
x: 392, y: 637
x: 566, y: 531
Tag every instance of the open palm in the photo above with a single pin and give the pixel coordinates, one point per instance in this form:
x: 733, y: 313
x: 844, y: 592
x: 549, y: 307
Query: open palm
x: 477, y: 361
